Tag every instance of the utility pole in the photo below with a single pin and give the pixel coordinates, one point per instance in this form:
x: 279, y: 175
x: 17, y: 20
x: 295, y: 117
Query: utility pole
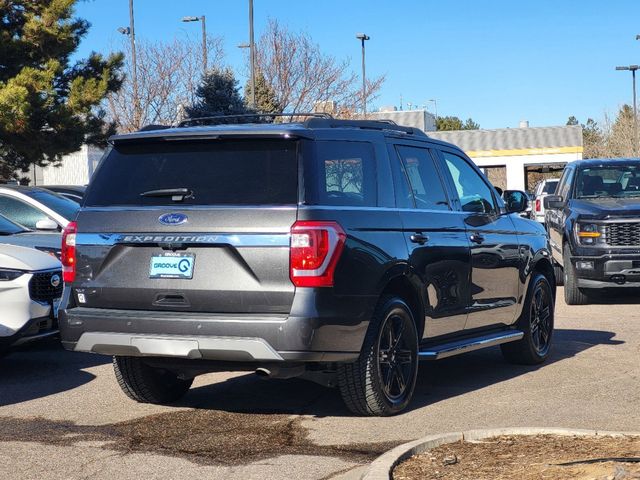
x: 130, y: 30
x: 363, y: 37
x: 252, y: 56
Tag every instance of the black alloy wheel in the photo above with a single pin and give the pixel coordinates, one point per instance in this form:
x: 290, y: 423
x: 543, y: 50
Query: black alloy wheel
x: 395, y: 356
x: 540, y: 317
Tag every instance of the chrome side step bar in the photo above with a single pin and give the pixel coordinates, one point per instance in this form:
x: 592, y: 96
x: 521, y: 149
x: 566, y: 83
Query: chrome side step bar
x: 445, y: 350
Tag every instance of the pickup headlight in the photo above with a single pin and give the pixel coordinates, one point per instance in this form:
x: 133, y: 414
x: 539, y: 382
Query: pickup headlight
x: 6, y: 275
x: 589, y: 234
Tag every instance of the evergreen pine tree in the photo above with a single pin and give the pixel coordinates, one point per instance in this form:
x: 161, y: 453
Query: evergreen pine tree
x: 49, y: 106
x: 218, y: 94
x: 266, y: 99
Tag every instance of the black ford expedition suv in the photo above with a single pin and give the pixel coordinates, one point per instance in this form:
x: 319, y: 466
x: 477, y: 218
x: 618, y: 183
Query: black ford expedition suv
x: 339, y: 251
x: 594, y: 226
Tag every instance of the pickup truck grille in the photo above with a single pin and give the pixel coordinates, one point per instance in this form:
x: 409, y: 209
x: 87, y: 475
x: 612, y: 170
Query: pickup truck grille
x: 41, y: 287
x: 623, y: 234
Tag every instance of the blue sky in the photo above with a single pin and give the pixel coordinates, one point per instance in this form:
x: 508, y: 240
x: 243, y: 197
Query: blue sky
x: 497, y: 61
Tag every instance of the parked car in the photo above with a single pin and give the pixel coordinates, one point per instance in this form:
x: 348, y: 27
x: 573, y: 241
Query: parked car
x: 72, y: 192
x: 593, y: 223
x: 30, y: 291
x: 36, y: 208
x: 340, y: 251
x: 14, y: 234
x: 544, y: 188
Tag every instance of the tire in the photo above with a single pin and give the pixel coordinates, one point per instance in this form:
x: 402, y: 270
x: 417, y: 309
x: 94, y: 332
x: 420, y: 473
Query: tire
x: 146, y: 384
x: 536, y: 321
x: 381, y: 382
x: 572, y: 294
x: 559, y: 273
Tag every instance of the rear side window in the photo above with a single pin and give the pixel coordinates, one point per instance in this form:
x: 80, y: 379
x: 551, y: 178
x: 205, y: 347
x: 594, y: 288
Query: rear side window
x: 426, y: 185
x: 342, y: 173
x: 219, y: 172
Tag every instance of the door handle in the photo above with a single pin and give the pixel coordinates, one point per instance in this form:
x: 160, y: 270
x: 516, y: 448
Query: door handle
x: 476, y: 238
x: 419, y: 238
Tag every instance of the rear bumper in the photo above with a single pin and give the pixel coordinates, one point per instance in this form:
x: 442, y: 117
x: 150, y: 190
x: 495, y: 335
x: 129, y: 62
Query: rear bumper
x: 227, y: 337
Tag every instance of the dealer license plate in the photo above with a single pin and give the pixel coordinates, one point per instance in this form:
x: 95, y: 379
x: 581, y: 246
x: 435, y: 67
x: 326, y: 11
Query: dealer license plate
x: 172, y: 265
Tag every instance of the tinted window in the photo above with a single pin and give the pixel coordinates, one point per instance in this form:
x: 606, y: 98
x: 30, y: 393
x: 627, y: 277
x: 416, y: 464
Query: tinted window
x: 550, y: 187
x: 7, y: 227
x: 424, y: 179
x: 565, y: 183
x: 20, y: 212
x: 474, y: 193
x: 59, y: 204
x: 343, y: 173
x: 249, y: 172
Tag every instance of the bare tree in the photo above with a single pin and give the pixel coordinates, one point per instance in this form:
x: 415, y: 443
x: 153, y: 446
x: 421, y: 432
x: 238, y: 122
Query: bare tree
x: 169, y: 74
x: 301, y: 75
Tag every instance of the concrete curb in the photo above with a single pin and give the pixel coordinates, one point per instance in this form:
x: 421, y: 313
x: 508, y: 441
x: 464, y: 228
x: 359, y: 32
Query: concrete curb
x: 381, y: 468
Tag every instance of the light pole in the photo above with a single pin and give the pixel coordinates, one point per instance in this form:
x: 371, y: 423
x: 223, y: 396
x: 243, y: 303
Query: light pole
x: 204, y: 37
x: 633, y: 69
x: 252, y: 56
x: 130, y: 30
x: 363, y: 37
x: 435, y: 107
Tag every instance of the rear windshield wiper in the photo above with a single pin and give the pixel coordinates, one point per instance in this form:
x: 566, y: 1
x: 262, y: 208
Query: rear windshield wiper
x: 176, y: 194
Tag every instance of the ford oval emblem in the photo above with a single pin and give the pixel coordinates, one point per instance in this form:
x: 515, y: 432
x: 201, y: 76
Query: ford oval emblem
x: 173, y: 219
x: 55, y: 280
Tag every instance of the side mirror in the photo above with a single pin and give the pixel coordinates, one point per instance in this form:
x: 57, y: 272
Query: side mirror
x: 46, y: 224
x: 516, y: 201
x: 553, y: 202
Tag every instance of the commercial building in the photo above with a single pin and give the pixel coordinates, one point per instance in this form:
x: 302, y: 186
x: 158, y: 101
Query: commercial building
x: 516, y: 158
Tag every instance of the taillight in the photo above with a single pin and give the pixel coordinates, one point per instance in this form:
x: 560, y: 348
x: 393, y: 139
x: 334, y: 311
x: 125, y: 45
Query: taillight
x: 315, y: 250
x: 537, y: 204
x: 68, y: 253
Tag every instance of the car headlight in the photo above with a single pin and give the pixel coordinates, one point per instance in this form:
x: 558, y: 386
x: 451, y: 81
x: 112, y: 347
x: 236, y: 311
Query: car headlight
x: 588, y: 233
x: 6, y: 274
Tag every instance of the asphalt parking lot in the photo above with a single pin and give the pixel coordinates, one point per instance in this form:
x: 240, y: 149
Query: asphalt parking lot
x: 62, y: 415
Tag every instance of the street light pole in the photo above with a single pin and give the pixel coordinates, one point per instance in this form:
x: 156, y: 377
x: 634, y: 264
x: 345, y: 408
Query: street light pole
x: 205, y: 56
x: 435, y: 106
x: 134, y: 67
x: 363, y: 37
x: 633, y: 69
x: 252, y: 56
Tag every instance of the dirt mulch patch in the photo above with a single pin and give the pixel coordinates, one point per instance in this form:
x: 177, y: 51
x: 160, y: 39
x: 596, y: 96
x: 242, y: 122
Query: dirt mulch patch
x: 528, y: 458
x: 202, y: 436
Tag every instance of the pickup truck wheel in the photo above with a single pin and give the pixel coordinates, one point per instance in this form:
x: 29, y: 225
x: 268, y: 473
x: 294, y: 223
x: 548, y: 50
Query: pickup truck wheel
x: 382, y: 380
x: 146, y: 384
x: 572, y: 294
x: 536, y: 321
x: 559, y: 273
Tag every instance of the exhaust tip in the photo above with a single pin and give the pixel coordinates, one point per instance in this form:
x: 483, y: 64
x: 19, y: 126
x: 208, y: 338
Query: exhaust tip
x: 263, y: 372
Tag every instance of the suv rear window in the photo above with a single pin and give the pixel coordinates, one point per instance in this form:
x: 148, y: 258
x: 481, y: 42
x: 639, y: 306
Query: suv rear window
x: 550, y: 187
x: 218, y: 172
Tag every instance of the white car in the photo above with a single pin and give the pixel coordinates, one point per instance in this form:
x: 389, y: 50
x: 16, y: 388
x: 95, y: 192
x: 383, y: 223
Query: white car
x: 544, y: 188
x: 30, y: 291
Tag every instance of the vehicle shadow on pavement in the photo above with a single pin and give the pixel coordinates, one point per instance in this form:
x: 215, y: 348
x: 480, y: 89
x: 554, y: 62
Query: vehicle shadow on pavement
x: 437, y: 381
x: 628, y: 296
x: 43, y: 369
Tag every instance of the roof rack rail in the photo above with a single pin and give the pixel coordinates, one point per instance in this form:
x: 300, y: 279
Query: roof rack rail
x: 246, y: 117
x: 382, y: 124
